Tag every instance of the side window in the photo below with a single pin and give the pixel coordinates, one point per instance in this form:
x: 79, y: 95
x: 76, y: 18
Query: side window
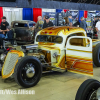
x: 79, y: 42
x: 75, y: 34
x: 25, y: 25
x: 20, y: 25
x: 76, y: 42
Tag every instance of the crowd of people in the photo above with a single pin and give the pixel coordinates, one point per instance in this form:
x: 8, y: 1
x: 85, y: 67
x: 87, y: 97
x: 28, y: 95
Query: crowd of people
x: 83, y: 24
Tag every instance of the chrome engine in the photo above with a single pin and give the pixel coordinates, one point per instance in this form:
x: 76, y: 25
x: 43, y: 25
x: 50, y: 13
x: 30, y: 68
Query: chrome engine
x: 33, y: 50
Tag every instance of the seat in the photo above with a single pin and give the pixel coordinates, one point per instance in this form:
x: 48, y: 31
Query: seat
x: 59, y: 40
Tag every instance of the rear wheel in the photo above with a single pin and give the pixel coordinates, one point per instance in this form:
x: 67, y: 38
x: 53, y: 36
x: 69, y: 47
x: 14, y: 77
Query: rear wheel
x: 88, y: 90
x: 28, y: 71
x: 96, y: 55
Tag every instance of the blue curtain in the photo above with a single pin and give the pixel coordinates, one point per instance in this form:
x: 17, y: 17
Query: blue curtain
x: 81, y: 14
x: 58, y: 10
x: 97, y: 11
x: 27, y: 14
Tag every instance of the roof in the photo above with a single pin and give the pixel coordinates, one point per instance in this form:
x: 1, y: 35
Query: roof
x: 56, y: 29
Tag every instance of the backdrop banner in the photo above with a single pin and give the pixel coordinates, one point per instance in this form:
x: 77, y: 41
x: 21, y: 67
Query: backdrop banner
x: 81, y: 14
x: 85, y: 14
x: 28, y: 14
x: 1, y: 14
x: 52, y: 16
x: 36, y: 12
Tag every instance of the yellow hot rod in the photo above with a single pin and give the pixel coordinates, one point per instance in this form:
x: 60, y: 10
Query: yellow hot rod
x: 55, y: 48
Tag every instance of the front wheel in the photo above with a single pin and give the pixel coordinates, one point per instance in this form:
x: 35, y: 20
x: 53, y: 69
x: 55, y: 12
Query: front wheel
x: 88, y: 90
x: 28, y: 71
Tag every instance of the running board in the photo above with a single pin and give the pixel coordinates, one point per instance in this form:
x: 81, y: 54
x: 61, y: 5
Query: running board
x: 58, y: 69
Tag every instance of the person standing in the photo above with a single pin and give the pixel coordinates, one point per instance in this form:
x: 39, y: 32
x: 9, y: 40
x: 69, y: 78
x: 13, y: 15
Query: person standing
x: 48, y: 23
x: 39, y: 24
x: 98, y: 28
x: 66, y: 21
x: 4, y: 25
x: 70, y: 21
x: 83, y: 23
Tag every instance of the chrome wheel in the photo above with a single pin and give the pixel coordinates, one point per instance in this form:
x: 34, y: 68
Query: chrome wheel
x: 30, y: 72
x: 93, y: 95
x: 98, y: 94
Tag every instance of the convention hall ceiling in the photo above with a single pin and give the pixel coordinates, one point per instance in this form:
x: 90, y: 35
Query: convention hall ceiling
x: 81, y: 1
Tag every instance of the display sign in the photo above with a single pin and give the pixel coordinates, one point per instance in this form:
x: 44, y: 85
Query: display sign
x: 60, y: 19
x: 52, y: 16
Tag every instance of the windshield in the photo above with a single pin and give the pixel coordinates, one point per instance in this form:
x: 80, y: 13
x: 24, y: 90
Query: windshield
x: 49, y: 38
x: 20, y: 25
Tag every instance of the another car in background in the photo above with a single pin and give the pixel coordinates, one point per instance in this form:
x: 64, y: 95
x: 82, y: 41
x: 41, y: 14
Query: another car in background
x: 23, y: 31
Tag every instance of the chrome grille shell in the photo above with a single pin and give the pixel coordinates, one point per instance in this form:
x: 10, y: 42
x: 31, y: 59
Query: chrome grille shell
x: 10, y: 62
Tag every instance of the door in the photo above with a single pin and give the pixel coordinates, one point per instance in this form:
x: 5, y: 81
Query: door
x: 79, y: 55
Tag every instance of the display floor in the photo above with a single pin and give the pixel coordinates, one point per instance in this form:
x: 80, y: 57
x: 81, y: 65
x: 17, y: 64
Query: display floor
x: 52, y: 86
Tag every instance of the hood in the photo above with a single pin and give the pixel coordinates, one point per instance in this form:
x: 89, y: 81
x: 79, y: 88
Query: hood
x: 48, y: 47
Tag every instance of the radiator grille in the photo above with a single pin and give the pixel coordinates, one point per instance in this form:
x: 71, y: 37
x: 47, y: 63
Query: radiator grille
x: 10, y: 63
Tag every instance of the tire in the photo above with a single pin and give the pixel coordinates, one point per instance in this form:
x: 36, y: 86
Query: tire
x: 96, y: 55
x: 86, y: 89
x: 21, y: 68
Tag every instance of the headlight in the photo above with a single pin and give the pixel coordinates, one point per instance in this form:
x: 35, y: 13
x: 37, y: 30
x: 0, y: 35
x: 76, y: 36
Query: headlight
x: 3, y: 56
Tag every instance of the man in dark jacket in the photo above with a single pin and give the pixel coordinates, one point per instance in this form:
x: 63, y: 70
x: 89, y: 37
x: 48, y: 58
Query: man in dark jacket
x: 48, y: 23
x: 83, y: 23
x: 4, y: 25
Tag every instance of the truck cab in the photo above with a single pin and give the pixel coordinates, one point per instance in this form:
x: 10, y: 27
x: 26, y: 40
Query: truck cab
x: 68, y: 48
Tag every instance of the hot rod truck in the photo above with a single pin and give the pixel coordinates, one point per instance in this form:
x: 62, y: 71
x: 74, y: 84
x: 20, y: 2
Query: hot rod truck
x: 55, y: 49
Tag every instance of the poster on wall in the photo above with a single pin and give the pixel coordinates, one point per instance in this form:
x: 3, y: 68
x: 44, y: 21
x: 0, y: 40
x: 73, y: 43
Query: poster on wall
x: 61, y: 17
x: 91, y: 14
x: 89, y: 22
x: 75, y: 15
x: 97, y: 13
x: 52, y: 16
